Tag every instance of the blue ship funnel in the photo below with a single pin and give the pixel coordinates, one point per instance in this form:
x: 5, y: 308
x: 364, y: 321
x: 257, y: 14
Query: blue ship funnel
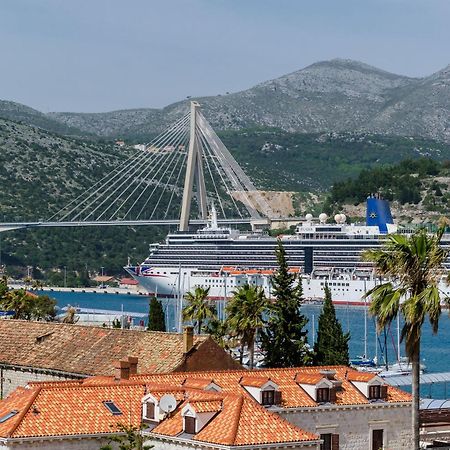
x: 378, y: 213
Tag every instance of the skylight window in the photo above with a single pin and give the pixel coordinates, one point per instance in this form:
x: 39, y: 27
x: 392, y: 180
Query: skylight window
x: 112, y: 408
x: 7, y: 416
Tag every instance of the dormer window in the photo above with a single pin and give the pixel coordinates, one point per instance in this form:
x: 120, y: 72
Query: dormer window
x: 149, y: 410
x: 189, y: 424
x: 377, y: 392
x: 268, y: 397
x: 262, y: 389
x: 323, y: 395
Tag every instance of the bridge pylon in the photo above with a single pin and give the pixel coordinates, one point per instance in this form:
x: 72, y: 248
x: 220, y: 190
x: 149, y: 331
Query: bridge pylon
x: 194, y: 168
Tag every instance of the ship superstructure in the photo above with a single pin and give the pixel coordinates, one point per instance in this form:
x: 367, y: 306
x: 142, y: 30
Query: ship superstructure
x: 223, y: 259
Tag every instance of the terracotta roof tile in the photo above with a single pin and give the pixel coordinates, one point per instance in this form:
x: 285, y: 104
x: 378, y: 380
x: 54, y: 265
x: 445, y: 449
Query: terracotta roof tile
x: 203, y: 406
x: 254, y: 381
x: 88, y: 350
x: 308, y: 378
x: 55, y: 409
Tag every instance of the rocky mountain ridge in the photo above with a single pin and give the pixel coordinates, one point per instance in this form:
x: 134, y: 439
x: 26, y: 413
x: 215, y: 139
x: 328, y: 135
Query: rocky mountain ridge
x: 336, y: 95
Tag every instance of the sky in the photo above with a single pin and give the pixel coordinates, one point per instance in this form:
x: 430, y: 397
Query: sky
x: 102, y: 55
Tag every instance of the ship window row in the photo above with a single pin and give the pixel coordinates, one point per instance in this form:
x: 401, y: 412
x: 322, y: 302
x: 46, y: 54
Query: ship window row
x: 335, y: 284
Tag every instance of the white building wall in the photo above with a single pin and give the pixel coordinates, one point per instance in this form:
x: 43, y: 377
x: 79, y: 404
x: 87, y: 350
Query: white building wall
x: 354, y: 425
x: 57, y: 444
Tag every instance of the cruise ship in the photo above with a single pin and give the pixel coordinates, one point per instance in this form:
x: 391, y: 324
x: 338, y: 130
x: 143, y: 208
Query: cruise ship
x: 223, y: 259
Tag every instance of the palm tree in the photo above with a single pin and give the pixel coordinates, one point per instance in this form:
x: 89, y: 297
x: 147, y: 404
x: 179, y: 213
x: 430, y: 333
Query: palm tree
x: 198, y: 308
x: 245, y: 313
x: 414, y: 264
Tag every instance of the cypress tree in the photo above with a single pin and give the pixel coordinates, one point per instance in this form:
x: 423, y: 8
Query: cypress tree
x: 156, y: 318
x: 284, y: 340
x: 331, y: 347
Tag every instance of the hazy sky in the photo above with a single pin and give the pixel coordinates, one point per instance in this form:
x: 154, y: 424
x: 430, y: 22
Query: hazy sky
x: 100, y: 55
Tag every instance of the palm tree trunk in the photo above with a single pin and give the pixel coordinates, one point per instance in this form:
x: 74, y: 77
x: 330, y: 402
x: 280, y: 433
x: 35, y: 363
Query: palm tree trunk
x: 251, y: 350
x: 241, y: 356
x: 199, y: 327
x: 415, y: 363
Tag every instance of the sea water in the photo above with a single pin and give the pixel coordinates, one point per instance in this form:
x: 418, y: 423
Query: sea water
x: 434, y: 348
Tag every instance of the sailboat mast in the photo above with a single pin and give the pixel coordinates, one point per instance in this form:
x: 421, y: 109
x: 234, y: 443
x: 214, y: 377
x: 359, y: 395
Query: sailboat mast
x: 365, y: 321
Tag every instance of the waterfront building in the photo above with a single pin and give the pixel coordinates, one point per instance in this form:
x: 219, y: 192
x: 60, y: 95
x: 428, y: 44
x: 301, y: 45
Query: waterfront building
x: 40, y: 351
x: 326, y: 408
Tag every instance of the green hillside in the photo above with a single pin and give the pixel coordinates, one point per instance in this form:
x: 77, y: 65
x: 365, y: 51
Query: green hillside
x: 41, y: 172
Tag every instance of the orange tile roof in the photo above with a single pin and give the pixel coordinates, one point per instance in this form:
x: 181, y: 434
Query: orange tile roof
x: 69, y: 408
x: 293, y: 395
x: 253, y: 381
x: 198, y: 383
x: 360, y: 376
x: 203, y: 406
x: 308, y: 378
x: 88, y: 350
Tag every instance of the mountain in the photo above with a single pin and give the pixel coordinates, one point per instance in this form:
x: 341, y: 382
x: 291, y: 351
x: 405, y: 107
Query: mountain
x: 337, y: 95
x: 21, y: 113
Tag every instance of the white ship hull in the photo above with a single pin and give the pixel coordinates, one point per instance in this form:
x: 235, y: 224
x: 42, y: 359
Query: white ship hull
x: 166, y: 282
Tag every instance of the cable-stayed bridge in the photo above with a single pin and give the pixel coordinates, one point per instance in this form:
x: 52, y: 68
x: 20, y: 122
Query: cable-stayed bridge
x: 173, y: 180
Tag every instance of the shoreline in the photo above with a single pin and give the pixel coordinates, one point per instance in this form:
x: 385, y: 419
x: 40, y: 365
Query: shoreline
x: 89, y: 290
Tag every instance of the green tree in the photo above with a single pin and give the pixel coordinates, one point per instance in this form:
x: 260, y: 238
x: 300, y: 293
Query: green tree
x: 331, y: 347
x: 414, y: 264
x: 198, y: 308
x: 245, y: 313
x: 29, y: 306
x: 284, y: 340
x: 128, y: 438
x: 156, y: 317
x: 3, y: 287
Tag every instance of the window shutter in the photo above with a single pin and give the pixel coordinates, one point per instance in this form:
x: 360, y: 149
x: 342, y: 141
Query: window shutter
x: 150, y: 410
x: 335, y: 442
x: 277, y: 398
x: 333, y: 395
x: 383, y: 392
x: 189, y: 425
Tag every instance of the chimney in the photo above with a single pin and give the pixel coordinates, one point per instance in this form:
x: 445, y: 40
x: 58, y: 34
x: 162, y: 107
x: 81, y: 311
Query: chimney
x: 122, y: 370
x: 188, y: 338
x: 133, y: 364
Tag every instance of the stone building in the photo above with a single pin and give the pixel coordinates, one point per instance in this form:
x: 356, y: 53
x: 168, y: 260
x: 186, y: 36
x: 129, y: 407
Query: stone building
x: 327, y: 408
x: 45, y: 351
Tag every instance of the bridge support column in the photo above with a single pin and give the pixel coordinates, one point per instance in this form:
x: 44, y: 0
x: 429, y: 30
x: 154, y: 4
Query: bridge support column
x: 194, y: 168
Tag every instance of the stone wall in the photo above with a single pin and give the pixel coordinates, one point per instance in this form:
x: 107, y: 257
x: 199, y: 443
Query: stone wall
x: 355, y: 424
x: 57, y: 444
x: 14, y: 376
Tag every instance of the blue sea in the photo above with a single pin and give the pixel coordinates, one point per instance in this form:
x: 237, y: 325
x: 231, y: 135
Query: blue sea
x: 435, y: 348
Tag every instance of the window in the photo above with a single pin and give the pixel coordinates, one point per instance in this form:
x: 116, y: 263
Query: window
x: 326, y: 445
x: 374, y: 392
x: 189, y: 424
x: 112, y: 408
x: 268, y: 397
x: 377, y: 440
x: 323, y: 395
x: 7, y: 416
x: 330, y: 441
x: 150, y: 410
